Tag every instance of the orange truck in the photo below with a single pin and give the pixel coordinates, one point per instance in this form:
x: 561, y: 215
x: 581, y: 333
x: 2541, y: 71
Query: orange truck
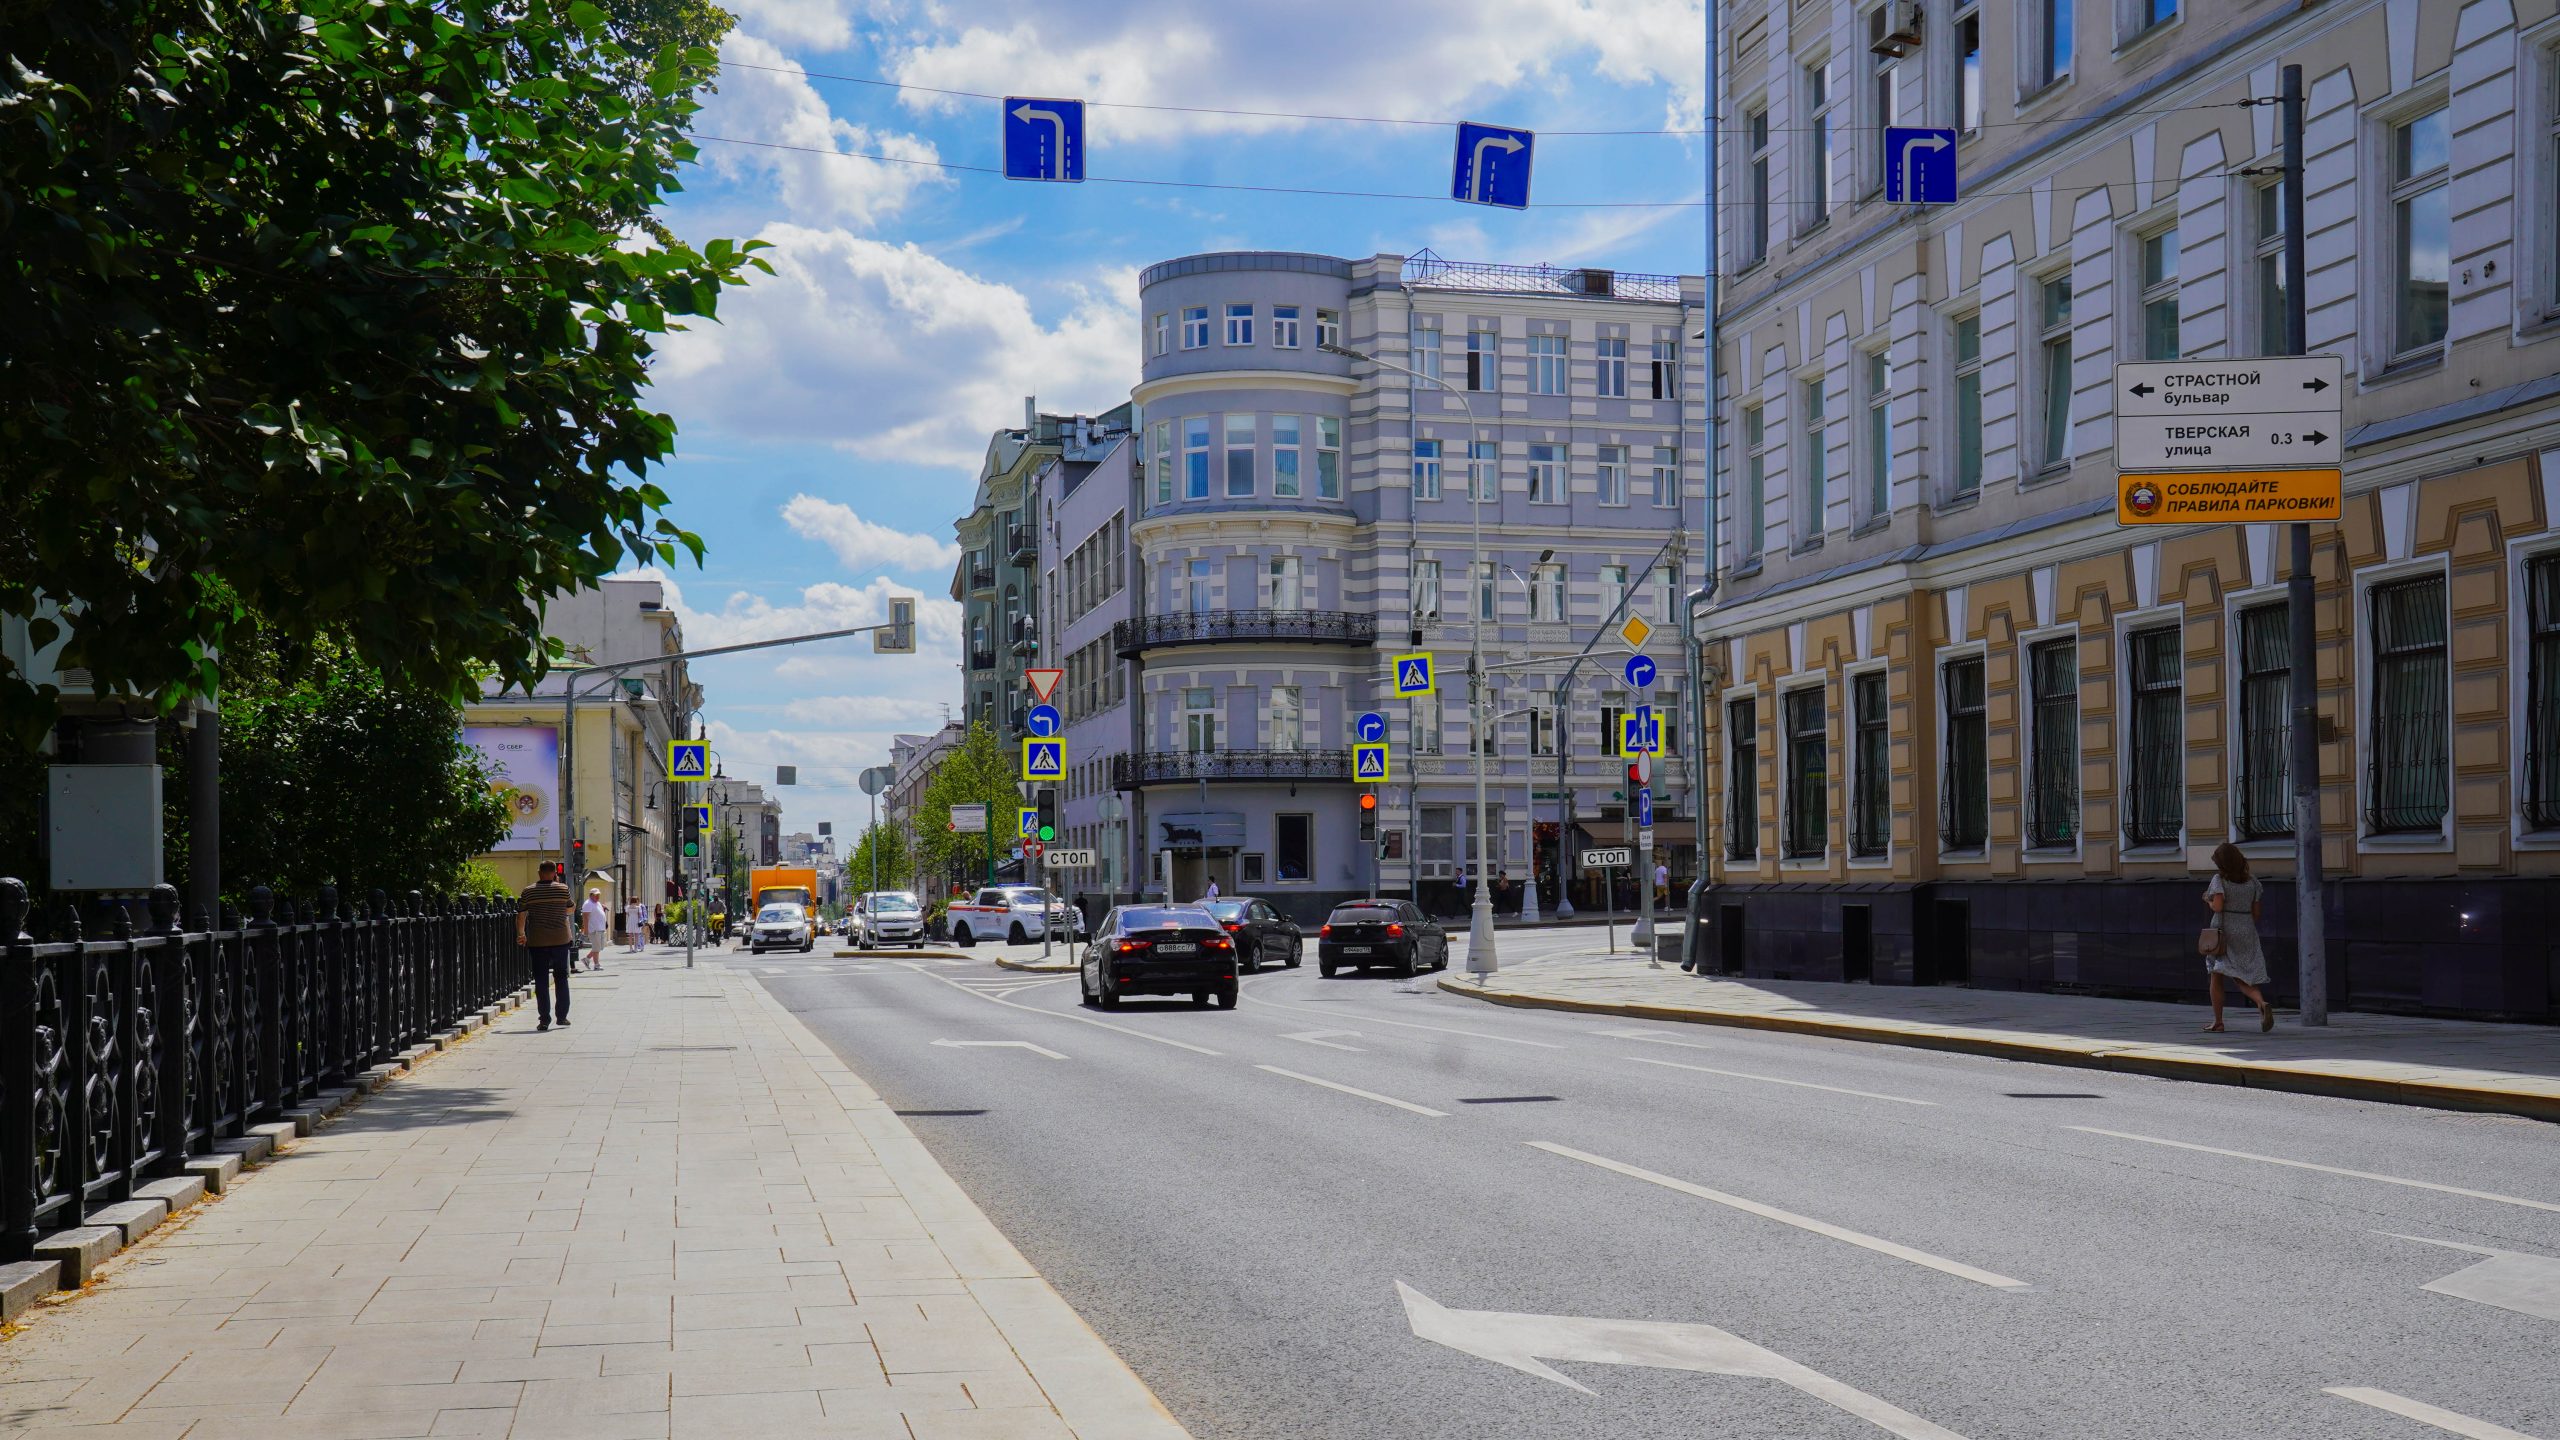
x: 784, y: 884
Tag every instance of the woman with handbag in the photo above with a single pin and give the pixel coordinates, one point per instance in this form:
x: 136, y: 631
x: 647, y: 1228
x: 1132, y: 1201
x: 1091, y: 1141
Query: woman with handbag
x: 2230, y: 944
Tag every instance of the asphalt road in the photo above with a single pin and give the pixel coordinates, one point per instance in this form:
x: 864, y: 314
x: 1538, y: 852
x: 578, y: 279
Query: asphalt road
x: 1232, y: 1198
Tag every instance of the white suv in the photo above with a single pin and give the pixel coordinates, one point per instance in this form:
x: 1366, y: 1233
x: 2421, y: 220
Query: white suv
x: 1013, y: 914
x: 887, y: 917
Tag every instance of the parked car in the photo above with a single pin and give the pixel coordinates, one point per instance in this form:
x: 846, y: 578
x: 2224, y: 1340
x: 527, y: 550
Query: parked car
x: 886, y: 917
x: 782, y: 927
x: 1015, y: 914
x: 1263, y: 935
x: 1365, y: 933
x: 1159, y: 950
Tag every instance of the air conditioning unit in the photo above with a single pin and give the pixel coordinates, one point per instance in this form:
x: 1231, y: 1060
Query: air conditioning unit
x: 1895, y: 30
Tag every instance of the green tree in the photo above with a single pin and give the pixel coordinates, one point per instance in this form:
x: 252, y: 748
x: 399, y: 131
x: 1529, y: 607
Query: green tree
x: 978, y: 769
x: 897, y: 862
x: 337, y: 313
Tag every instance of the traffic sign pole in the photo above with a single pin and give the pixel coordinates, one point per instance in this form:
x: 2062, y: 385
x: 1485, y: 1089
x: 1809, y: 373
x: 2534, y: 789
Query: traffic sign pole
x: 2310, y: 920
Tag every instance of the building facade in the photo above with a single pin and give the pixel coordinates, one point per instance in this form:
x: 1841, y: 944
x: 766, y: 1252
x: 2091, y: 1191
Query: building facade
x: 1961, y: 727
x: 1083, y: 499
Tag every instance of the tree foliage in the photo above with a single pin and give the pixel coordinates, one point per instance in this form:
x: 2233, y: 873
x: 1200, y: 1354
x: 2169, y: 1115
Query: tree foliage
x: 897, y: 863
x: 977, y: 769
x: 336, y: 313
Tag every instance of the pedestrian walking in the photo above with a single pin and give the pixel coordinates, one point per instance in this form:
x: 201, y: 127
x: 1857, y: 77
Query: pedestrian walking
x: 1213, y: 888
x: 543, y: 928
x: 2230, y: 943
x: 1661, y: 883
x: 635, y: 924
x: 658, y: 925
x: 598, y: 923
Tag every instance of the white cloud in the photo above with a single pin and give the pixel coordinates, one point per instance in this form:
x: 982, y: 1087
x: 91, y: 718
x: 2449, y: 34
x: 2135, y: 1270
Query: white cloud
x: 777, y: 105
x: 821, y: 24
x: 862, y: 544
x: 748, y: 616
x: 865, y: 712
x: 891, y: 353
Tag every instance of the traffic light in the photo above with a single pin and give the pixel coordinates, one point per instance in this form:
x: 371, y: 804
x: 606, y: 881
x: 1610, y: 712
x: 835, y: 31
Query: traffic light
x: 1046, y: 797
x: 1369, y: 816
x: 577, y: 863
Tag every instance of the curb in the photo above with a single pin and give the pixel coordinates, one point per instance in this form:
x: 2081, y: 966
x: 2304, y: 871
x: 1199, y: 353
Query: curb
x: 1036, y: 967
x: 900, y: 955
x: 68, y: 1259
x: 2083, y: 1055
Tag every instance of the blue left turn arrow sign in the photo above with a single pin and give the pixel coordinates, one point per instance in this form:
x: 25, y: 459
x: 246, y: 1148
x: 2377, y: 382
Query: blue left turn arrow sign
x: 1043, y: 139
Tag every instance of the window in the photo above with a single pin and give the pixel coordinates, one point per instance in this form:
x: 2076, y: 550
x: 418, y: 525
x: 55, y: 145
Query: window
x: 1285, y: 432
x: 2408, y: 791
x: 1819, y: 161
x: 1968, y: 68
x: 1163, y: 331
x: 1808, y: 831
x: 2053, y: 740
x: 2053, y: 25
x: 1666, y: 369
x: 2542, y: 692
x: 2266, y: 245
x: 1240, y: 439
x: 2266, y: 729
x: 1252, y: 864
x: 1755, y: 209
x: 1884, y: 97
x: 1755, y: 483
x: 2421, y: 232
x: 1195, y: 326
x: 1871, y: 774
x: 1196, y: 576
x: 1287, y: 719
x: 1328, y: 457
x: 1666, y: 478
x: 1546, y: 592
x: 1426, y: 708
x: 1817, y: 462
x: 1613, y: 474
x: 1293, y: 845
x: 1546, y: 474
x: 1879, y: 367
x: 1200, y: 720
x: 1426, y: 592
x: 1613, y: 367
x: 1195, y: 458
x: 1484, y: 357
x: 1968, y: 416
x: 1742, y: 779
x: 1666, y: 585
x: 1484, y: 591
x: 2149, y: 15
x: 1284, y: 326
x: 1426, y: 469
x: 1542, y: 727
x: 1426, y: 350
x: 2054, y: 370
x: 1239, y: 324
x: 1546, y: 365
x: 1484, y: 470
x: 2155, y: 799
x: 1164, y: 462
x: 1286, y: 590
x: 1613, y: 589
x: 1964, y: 804
x: 1613, y: 713
x: 2158, y: 263
x: 1328, y: 328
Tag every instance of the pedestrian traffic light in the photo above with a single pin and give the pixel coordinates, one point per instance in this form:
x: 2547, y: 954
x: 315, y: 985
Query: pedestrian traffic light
x: 1369, y: 816
x: 1046, y: 797
x: 577, y: 863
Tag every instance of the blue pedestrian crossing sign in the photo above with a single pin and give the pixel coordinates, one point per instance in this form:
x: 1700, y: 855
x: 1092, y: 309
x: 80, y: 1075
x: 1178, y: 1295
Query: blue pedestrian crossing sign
x: 701, y: 816
x: 1044, y: 721
x: 1492, y: 166
x: 1919, y: 165
x: 688, y: 759
x: 1370, y: 727
x: 1043, y: 139
x: 1027, y: 822
x: 1369, y: 764
x: 1413, y: 674
x: 1640, y: 671
x: 1640, y: 732
x: 1044, y: 759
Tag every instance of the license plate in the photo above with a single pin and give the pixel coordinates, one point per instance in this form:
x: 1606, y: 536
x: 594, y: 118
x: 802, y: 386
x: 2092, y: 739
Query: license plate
x: 1185, y: 949
x: 1355, y: 949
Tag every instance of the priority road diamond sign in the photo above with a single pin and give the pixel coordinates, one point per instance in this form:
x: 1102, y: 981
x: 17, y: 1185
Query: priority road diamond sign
x: 1635, y: 632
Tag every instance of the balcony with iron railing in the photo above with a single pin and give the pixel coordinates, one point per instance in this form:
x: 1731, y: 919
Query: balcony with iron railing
x: 1022, y: 544
x: 1182, y: 767
x: 982, y: 659
x: 1219, y: 627
x: 982, y: 575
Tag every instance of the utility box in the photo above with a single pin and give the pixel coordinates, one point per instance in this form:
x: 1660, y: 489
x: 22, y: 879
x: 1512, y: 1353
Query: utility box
x: 103, y: 826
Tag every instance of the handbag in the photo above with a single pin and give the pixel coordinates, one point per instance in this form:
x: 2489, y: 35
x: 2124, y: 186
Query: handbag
x: 2209, y: 939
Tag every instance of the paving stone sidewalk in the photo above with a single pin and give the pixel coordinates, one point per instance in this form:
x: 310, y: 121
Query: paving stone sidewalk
x: 680, y: 1217
x: 2512, y: 1069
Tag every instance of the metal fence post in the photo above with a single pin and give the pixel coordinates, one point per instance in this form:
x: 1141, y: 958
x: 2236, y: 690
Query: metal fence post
x: 259, y: 1021
x: 18, y: 1023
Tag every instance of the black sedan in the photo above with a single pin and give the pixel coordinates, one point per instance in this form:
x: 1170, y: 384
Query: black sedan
x: 1263, y: 935
x: 1364, y: 933
x: 1159, y: 950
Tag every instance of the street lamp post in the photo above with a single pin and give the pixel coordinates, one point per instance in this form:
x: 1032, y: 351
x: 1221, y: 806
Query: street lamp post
x: 1480, y: 951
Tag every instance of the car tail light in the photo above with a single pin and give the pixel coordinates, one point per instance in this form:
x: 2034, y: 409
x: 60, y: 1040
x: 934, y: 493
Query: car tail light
x: 1396, y: 929
x: 1221, y: 943
x: 1324, y: 929
x: 1234, y: 925
x: 1127, y: 946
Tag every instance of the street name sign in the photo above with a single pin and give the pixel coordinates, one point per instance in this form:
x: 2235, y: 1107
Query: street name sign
x: 969, y: 819
x: 1043, y: 138
x: 1369, y: 764
x: 1641, y: 670
x: 2272, y: 385
x: 2235, y: 442
x: 2229, y: 441
x: 1044, y: 759
x: 1069, y: 859
x: 1413, y: 674
x: 1492, y: 166
x: 1370, y: 727
x: 1044, y: 683
x: 1613, y: 858
x: 1919, y: 165
x: 1044, y: 721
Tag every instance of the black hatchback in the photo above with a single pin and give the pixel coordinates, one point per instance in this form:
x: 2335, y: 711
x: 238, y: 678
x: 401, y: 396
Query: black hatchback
x: 1381, y: 932
x: 1263, y: 935
x: 1159, y: 950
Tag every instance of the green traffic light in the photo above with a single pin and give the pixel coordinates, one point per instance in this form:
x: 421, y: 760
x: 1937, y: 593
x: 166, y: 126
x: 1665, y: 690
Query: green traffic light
x: 691, y: 849
x: 1048, y: 833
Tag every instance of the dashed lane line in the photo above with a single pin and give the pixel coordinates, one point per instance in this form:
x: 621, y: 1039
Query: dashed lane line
x: 2489, y: 1195
x: 1774, y: 1080
x: 2450, y: 1421
x: 1063, y: 1015
x: 1401, y: 1024
x: 1424, y: 1110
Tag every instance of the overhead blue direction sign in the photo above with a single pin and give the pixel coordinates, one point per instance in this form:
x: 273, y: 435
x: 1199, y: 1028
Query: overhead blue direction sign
x: 1044, y: 721
x: 1919, y: 165
x: 1370, y: 727
x: 1640, y: 670
x: 1044, y: 759
x: 1043, y: 139
x: 1492, y: 166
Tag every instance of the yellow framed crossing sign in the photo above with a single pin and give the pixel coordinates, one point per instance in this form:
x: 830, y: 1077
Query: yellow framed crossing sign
x: 1369, y: 764
x: 688, y: 760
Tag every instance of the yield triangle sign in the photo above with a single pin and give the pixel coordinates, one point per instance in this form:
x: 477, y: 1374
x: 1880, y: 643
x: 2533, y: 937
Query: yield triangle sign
x: 1044, y: 682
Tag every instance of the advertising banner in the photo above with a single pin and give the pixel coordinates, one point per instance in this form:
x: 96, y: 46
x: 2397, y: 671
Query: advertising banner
x: 523, y: 762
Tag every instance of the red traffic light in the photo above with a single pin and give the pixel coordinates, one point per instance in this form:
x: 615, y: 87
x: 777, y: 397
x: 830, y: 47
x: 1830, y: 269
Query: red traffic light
x: 1368, y: 800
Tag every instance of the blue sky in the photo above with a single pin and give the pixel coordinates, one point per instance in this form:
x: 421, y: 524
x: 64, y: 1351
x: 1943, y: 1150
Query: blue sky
x: 832, y: 422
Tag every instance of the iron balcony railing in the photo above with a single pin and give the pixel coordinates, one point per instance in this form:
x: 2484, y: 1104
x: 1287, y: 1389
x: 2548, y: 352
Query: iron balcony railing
x: 1432, y: 272
x: 1215, y: 627
x: 122, y: 1057
x: 980, y: 659
x: 1168, y: 767
x: 1022, y: 545
x: 981, y: 577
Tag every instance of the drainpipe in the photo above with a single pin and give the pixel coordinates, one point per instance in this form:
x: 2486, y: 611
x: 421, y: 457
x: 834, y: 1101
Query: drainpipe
x: 1693, y: 948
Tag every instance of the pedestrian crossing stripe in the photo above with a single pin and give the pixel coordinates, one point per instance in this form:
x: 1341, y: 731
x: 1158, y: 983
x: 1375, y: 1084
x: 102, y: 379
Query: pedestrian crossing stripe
x: 1413, y: 674
x: 1369, y: 764
x: 1044, y: 759
x: 688, y: 759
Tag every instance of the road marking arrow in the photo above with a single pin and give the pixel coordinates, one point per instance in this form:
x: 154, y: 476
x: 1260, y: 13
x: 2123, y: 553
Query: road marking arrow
x: 1000, y: 1045
x: 1526, y: 1342
x: 1316, y: 1037
x: 2517, y: 1280
x: 1475, y: 162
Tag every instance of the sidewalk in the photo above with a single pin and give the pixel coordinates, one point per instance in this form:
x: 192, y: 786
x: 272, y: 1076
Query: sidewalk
x: 680, y: 1217
x: 2459, y: 1064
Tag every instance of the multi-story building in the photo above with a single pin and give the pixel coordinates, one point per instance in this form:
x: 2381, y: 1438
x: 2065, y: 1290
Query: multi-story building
x: 997, y: 579
x: 1083, y: 500
x: 1965, y: 728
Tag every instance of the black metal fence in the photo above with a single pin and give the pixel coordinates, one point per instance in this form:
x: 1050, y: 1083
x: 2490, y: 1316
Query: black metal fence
x: 122, y: 1057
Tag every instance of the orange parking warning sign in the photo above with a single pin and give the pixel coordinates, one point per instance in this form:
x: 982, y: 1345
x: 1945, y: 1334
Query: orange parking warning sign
x: 2239, y: 497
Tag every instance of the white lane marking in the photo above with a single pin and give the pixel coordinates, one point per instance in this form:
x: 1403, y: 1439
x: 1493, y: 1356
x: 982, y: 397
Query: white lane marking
x: 1000, y: 1045
x: 1317, y: 1037
x: 1774, y: 1080
x: 1527, y: 1342
x: 1865, y: 1241
x: 1652, y: 1039
x: 1403, y: 1024
x: 2323, y: 1169
x: 1062, y: 1015
x: 1363, y: 1094
x: 2452, y: 1422
x: 2517, y: 1280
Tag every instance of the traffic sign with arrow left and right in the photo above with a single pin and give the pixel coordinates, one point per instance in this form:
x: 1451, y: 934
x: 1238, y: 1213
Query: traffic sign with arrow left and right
x: 2232, y: 441
x: 1043, y: 139
x: 1492, y: 166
